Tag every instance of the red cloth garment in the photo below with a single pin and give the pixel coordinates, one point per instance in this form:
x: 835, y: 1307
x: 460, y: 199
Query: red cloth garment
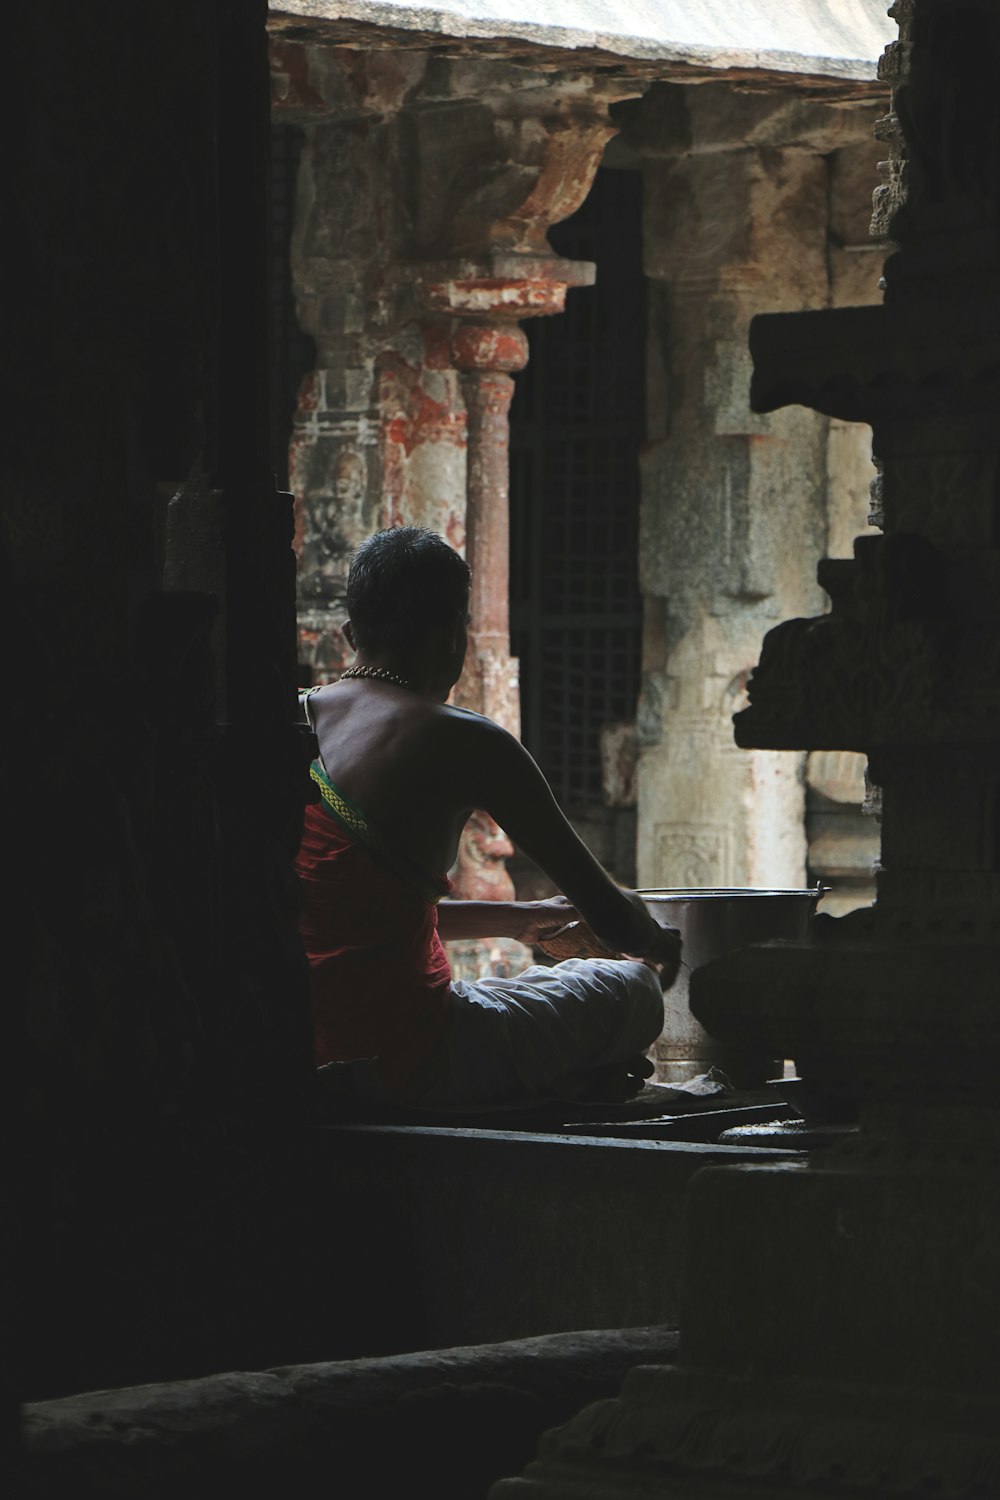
x: 380, y: 976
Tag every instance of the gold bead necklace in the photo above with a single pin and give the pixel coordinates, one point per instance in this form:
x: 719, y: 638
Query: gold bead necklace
x: 378, y: 674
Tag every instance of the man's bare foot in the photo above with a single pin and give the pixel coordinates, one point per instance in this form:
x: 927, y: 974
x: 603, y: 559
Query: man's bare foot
x: 613, y: 1084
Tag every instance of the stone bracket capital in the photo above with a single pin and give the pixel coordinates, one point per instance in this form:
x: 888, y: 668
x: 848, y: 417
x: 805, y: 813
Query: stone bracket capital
x: 501, y: 286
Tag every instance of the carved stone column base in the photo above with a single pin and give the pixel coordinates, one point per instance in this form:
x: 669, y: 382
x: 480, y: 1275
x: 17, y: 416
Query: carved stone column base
x: 907, y: 1023
x: 840, y: 1314
x: 685, y: 1048
x: 696, y: 1435
x: 832, y: 1344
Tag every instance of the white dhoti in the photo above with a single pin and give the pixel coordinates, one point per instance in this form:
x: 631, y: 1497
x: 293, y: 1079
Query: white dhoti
x: 536, y: 1034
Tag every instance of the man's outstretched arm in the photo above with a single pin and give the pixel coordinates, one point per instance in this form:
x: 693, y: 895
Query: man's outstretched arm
x: 515, y: 793
x: 526, y: 921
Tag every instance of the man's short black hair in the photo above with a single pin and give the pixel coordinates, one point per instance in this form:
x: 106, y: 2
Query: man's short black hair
x: 401, y: 582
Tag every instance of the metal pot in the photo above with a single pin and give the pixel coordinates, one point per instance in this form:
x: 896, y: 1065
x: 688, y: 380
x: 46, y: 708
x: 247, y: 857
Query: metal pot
x: 713, y: 922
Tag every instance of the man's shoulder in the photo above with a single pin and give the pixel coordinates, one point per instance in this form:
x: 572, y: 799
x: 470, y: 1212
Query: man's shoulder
x: 472, y: 739
x: 465, y: 722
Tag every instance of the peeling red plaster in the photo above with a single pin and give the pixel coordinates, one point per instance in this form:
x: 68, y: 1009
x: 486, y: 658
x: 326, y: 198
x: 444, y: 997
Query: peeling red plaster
x: 481, y: 347
x: 430, y: 421
x: 455, y: 532
x: 481, y: 874
x: 387, y: 81
x: 308, y: 397
x: 298, y: 536
x: 291, y: 87
x: 437, y: 346
x: 418, y: 418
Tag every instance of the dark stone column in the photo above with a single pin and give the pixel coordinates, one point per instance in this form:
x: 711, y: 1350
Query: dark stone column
x: 153, y: 781
x: 232, y: 523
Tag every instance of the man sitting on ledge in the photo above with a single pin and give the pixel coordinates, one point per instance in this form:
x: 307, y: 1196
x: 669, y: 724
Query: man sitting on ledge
x: 399, y: 772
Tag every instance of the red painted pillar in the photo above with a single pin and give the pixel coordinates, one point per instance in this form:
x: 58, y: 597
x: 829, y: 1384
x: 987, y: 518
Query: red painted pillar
x: 485, y: 355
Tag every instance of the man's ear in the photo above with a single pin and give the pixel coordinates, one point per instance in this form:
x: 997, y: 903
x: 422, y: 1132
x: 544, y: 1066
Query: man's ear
x: 348, y: 630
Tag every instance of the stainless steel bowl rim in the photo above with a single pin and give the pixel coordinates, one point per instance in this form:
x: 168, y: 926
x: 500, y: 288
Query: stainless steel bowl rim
x: 696, y: 893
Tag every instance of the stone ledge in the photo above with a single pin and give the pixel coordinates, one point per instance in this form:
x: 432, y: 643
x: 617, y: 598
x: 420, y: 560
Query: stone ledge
x: 456, y: 1419
x: 765, y: 35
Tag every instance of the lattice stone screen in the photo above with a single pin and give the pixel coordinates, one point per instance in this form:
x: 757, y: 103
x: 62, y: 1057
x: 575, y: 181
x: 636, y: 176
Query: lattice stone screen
x: 577, y: 422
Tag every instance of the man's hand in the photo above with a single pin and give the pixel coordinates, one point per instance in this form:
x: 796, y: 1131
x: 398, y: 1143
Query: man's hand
x: 661, y: 948
x: 665, y: 954
x: 543, y: 919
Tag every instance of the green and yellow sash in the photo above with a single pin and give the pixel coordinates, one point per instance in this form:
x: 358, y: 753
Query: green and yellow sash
x: 348, y: 816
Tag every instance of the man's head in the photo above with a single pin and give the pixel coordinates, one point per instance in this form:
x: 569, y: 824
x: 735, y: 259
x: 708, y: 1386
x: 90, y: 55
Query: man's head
x: 402, y: 583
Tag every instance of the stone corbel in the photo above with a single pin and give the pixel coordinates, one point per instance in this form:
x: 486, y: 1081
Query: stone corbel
x: 503, y: 159
x: 311, y: 83
x: 497, y: 287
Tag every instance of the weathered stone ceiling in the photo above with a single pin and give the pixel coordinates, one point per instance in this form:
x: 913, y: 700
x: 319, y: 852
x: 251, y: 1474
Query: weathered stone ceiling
x: 838, y: 40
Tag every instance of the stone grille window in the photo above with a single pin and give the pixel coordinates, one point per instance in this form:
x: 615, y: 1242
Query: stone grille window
x: 577, y: 422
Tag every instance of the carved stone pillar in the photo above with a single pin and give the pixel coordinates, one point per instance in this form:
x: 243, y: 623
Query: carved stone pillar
x: 485, y: 355
x: 838, y: 1332
x: 337, y: 454
x: 737, y: 217
x: 743, y: 200
x: 490, y: 681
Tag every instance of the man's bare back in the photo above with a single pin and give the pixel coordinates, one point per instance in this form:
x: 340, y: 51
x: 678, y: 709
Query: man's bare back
x: 400, y: 758
x: 419, y: 768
